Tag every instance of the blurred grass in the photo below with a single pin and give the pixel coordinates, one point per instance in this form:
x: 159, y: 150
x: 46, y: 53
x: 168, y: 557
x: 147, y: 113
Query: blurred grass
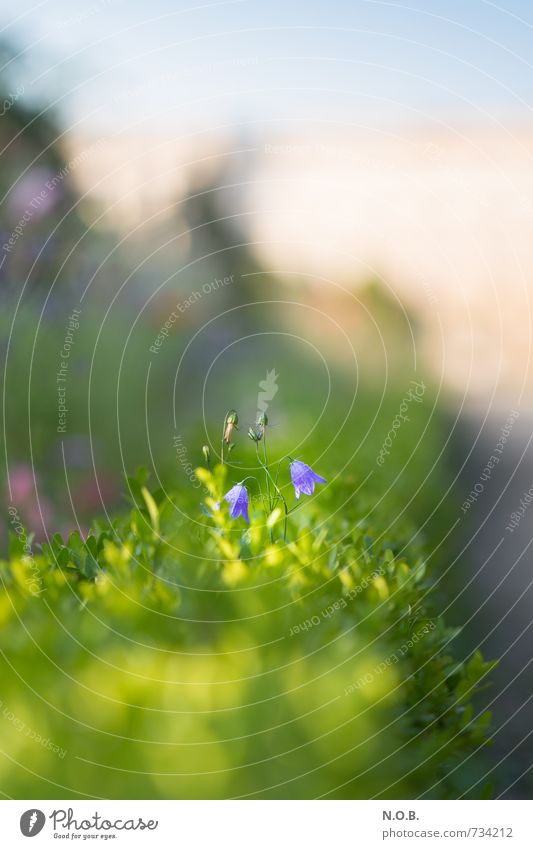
x: 165, y: 665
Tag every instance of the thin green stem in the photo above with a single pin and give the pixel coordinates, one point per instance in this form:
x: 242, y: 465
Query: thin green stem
x: 277, y: 470
x: 270, y: 499
x: 267, y: 511
x: 266, y: 465
x: 261, y: 464
x: 222, y: 440
x: 279, y: 492
x: 250, y: 478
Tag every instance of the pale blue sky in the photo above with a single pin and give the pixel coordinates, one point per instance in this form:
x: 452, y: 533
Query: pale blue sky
x: 123, y: 63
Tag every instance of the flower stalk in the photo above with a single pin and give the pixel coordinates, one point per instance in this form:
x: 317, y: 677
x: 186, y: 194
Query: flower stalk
x: 303, y: 478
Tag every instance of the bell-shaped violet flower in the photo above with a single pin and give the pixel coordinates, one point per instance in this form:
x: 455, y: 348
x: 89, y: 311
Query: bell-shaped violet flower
x: 304, y: 478
x: 237, y: 499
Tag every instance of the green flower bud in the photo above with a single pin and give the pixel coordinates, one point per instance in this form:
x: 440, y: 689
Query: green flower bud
x: 262, y: 419
x: 231, y: 423
x: 207, y: 453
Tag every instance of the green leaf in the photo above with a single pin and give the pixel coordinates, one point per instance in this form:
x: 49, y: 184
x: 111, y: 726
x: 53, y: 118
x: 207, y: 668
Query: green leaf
x: 274, y: 517
x: 152, y: 509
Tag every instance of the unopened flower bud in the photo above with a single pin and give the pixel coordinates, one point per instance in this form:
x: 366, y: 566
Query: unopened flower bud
x: 231, y: 423
x: 207, y: 453
x: 254, y: 434
x: 262, y: 419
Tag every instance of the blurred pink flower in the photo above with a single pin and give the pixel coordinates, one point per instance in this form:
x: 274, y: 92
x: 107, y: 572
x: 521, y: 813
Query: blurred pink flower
x: 21, y: 483
x: 35, y: 509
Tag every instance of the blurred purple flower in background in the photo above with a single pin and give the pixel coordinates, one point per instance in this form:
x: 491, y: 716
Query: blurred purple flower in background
x: 304, y: 478
x: 237, y: 498
x: 35, y: 194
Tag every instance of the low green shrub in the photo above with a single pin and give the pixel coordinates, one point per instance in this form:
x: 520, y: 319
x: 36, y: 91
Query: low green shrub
x: 177, y: 653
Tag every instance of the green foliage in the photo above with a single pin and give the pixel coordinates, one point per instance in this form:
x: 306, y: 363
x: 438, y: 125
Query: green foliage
x: 176, y: 653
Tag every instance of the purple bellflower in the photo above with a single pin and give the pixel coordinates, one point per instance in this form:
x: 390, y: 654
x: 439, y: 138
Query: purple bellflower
x: 237, y: 499
x: 304, y: 478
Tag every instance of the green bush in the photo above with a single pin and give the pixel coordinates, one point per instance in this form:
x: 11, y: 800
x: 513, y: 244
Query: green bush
x: 177, y: 653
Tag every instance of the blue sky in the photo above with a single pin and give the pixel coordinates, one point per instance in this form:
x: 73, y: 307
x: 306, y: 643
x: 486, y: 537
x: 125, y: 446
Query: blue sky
x: 124, y: 64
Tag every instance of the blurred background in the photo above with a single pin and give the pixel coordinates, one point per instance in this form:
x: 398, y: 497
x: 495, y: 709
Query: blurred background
x: 343, y: 192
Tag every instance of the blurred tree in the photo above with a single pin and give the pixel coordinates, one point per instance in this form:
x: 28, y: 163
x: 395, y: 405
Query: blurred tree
x: 36, y: 189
